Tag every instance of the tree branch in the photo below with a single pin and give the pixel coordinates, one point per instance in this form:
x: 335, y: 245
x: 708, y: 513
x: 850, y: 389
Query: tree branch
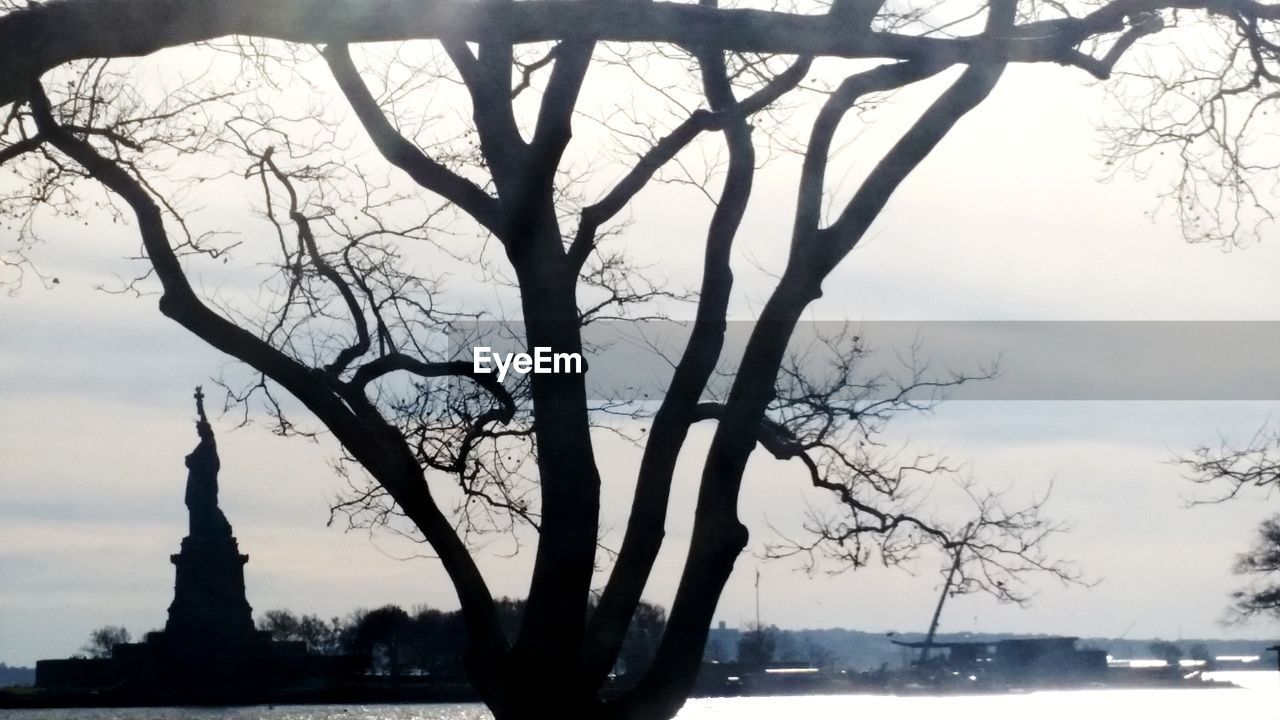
x: 394, y: 362
x: 40, y: 37
x: 662, y: 152
x: 971, y: 89
x: 327, y: 271
x: 646, y: 523
x: 20, y: 147
x: 397, y: 149
x: 813, y: 173
x: 487, y: 77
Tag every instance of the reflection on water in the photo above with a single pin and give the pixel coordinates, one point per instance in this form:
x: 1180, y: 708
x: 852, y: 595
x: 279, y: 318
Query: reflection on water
x: 1067, y: 705
x: 1253, y: 680
x: 1259, y: 698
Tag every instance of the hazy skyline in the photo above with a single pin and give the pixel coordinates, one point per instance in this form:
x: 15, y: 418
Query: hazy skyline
x: 1005, y: 221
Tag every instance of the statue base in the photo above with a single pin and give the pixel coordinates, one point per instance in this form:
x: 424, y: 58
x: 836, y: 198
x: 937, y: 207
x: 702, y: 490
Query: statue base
x: 209, y: 605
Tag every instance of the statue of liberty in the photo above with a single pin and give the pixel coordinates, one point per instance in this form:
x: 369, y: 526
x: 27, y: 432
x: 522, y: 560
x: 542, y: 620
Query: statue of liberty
x: 208, y: 605
x: 202, y: 480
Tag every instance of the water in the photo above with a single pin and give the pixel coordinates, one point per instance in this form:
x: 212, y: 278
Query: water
x: 1258, y: 699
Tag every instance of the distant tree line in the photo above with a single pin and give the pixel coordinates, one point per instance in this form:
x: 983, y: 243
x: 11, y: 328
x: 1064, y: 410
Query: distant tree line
x: 16, y: 676
x: 430, y: 642
x: 759, y: 646
x: 1173, y: 653
x: 425, y: 641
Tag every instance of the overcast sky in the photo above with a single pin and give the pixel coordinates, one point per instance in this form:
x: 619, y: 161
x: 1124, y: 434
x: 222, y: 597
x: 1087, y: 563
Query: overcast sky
x: 1007, y: 220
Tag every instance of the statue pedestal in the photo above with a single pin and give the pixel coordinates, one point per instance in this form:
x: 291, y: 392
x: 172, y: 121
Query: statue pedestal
x: 209, y: 605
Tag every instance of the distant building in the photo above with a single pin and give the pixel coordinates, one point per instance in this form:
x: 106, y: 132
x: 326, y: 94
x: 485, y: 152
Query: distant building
x: 209, y: 649
x: 1037, y: 661
x: 1048, y: 659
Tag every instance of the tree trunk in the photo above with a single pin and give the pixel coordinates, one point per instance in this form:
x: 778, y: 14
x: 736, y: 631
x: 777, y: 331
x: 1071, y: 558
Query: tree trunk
x: 546, y: 653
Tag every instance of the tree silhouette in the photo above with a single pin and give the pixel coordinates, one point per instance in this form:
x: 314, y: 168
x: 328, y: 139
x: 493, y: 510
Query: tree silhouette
x: 643, y: 637
x: 383, y: 634
x: 321, y: 637
x: 102, y: 642
x: 1230, y: 470
x: 345, y: 323
x: 1200, y: 652
x: 1262, y: 564
x: 756, y: 647
x: 1166, y: 651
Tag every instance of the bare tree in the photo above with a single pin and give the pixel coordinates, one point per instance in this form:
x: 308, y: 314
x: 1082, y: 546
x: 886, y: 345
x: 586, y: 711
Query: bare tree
x: 1229, y: 470
x: 347, y: 318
